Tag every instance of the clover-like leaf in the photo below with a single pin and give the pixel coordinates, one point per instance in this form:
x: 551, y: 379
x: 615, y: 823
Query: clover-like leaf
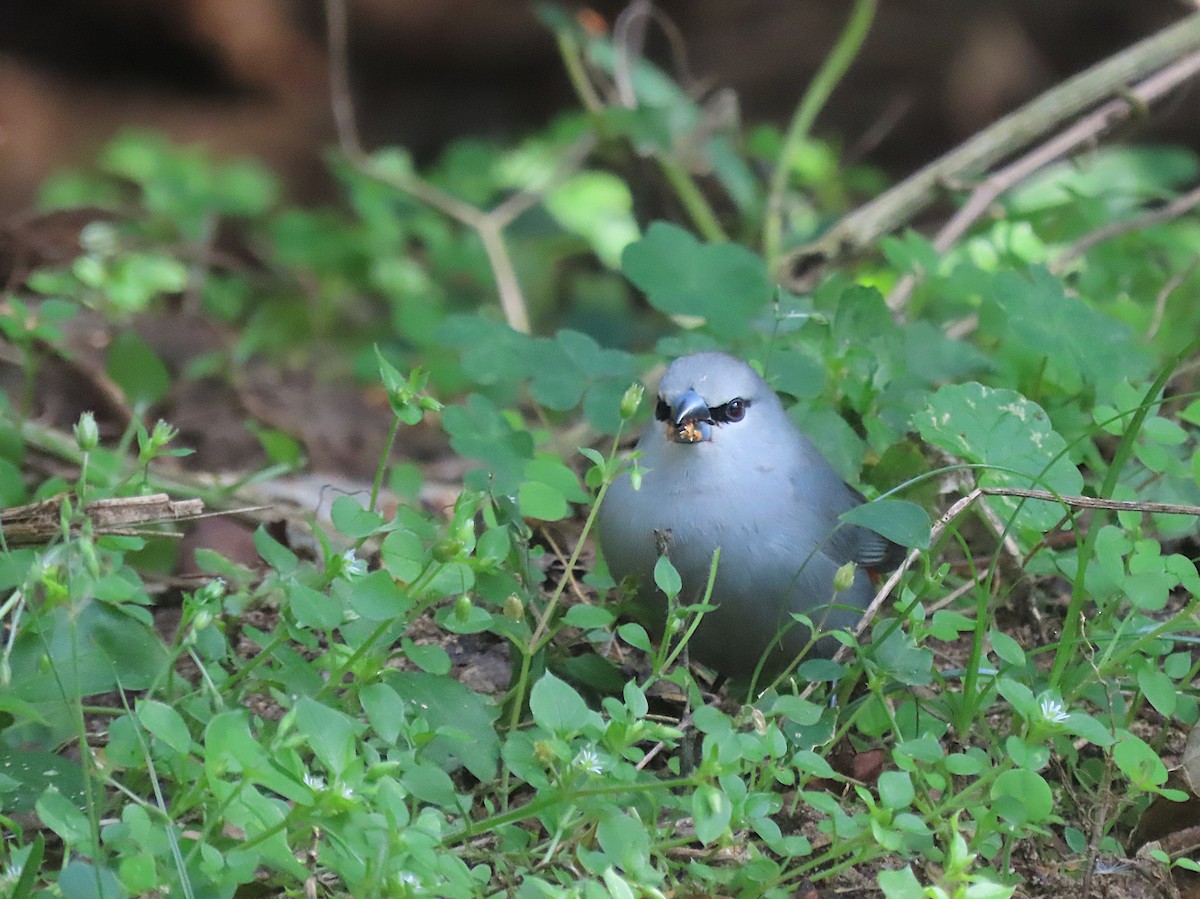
x: 724, y: 284
x: 1001, y: 428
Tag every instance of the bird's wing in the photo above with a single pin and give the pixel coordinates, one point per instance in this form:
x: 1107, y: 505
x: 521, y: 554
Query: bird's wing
x: 825, y: 497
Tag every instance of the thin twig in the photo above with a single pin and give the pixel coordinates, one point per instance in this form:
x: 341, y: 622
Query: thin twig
x: 865, y: 225
x: 489, y: 225
x: 572, y: 582
x: 1082, y: 132
x: 629, y: 37
x: 1166, y: 213
x: 340, y: 94
x: 1084, y: 502
x: 512, y: 206
x: 1160, y: 301
x: 1094, y: 502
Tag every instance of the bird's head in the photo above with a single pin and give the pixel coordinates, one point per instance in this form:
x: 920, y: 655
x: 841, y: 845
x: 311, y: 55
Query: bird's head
x: 705, y: 395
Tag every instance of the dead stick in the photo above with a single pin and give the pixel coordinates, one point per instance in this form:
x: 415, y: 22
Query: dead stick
x: 1080, y: 133
x: 865, y: 225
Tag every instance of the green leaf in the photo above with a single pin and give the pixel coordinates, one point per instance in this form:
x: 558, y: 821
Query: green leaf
x: 587, y: 617
x: 813, y: 763
x: 1148, y: 590
x: 1001, y: 428
x: 1024, y: 796
x: 385, y: 710
x: 84, y: 651
x: 796, y: 373
x: 900, y: 521
x: 626, y: 840
x: 711, y: 811
x: 896, y: 790
x: 541, y: 501
x: 556, y: 706
x: 313, y: 609
x: 550, y: 469
x: 377, y: 597
x: 599, y: 207
x: 462, y: 721
x: 274, y: 553
x: 1032, y: 756
x: 1139, y: 762
x: 331, y: 734
x: 901, y: 884
x: 27, y: 773
x: 1083, y: 725
x: 1073, y: 340
x: 136, y: 369
x: 82, y: 880
x: 428, y: 657
x: 1008, y: 649
x: 724, y: 284
x: 352, y: 519
x: 404, y: 555
x: 478, y: 430
x: 64, y: 817
x: 166, y: 724
x: 797, y: 710
x: 431, y: 784
x: 635, y: 635
x: 229, y: 744
x: 896, y: 652
x: 666, y: 577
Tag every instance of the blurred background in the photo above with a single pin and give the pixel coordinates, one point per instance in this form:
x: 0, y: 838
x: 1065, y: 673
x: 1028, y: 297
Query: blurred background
x: 249, y: 77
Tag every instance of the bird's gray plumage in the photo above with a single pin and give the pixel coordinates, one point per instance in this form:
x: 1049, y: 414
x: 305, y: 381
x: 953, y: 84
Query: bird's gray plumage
x: 758, y: 489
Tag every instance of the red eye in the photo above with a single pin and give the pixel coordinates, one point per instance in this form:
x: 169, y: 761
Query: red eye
x: 735, y: 410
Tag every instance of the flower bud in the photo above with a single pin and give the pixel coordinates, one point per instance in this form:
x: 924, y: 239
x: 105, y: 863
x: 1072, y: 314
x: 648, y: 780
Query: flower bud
x: 87, y: 434
x: 844, y: 577
x: 631, y: 401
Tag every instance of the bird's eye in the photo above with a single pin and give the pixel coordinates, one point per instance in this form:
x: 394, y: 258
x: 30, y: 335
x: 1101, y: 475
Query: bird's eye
x: 734, y: 410
x: 662, y: 411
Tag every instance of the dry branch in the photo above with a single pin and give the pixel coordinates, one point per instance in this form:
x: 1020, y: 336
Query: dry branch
x: 1080, y: 134
x: 41, y: 522
x: 864, y: 226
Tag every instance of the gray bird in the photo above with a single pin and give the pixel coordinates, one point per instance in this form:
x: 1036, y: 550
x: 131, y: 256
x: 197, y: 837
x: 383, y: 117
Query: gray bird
x: 725, y: 467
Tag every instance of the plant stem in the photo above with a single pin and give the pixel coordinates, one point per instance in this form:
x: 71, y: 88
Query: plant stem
x: 377, y: 484
x: 1087, y: 551
x: 831, y: 72
x: 698, y: 208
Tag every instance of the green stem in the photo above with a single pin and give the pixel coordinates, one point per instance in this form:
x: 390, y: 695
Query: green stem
x: 572, y: 57
x: 692, y: 198
x: 819, y: 90
x: 547, y: 801
x: 377, y: 485
x: 1079, y: 595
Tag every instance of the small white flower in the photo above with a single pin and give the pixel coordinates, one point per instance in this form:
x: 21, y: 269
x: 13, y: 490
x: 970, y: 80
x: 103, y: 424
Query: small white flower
x: 346, y: 792
x: 589, y: 761
x: 314, y: 782
x: 1053, y: 710
x: 352, y: 566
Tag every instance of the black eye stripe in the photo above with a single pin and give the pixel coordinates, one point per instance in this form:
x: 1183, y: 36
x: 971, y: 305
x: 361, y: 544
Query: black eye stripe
x: 726, y: 413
